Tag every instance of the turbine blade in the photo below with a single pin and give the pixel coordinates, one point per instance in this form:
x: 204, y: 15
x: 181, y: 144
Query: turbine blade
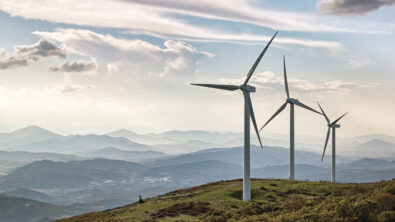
x: 218, y: 86
x: 258, y: 60
x: 275, y: 114
x: 326, y: 142
x: 248, y: 100
x: 285, y: 79
x: 334, y: 122
x: 326, y: 117
x: 306, y: 107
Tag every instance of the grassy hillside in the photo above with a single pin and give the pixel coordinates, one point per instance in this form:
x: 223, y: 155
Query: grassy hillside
x: 273, y: 200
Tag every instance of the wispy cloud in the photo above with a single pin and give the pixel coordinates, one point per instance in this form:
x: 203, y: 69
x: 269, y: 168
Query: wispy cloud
x: 271, y: 81
x: 65, y: 87
x: 161, y: 19
x: 351, y: 7
x: 27, y: 54
x: 245, y: 12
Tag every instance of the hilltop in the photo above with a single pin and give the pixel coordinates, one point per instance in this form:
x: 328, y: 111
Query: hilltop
x: 273, y: 200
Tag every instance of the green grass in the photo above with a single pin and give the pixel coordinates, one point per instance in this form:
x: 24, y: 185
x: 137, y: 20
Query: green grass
x: 273, y: 200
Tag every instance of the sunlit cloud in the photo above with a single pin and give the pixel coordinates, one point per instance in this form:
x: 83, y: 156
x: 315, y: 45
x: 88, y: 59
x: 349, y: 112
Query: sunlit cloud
x: 136, y: 56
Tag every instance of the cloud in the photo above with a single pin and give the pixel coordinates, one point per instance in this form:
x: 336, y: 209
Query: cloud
x: 244, y: 11
x: 132, y: 56
x: 357, y: 60
x: 351, y: 7
x: 27, y: 54
x: 162, y: 19
x: 269, y: 80
x: 75, y: 66
x: 65, y: 87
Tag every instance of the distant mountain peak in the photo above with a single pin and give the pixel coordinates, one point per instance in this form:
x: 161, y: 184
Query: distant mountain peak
x: 123, y: 131
x: 32, y: 128
x: 380, y: 142
x: 26, y: 135
x: 110, y: 148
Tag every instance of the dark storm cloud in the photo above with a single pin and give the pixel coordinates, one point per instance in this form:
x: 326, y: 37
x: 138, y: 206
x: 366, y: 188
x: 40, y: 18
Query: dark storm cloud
x: 351, y: 7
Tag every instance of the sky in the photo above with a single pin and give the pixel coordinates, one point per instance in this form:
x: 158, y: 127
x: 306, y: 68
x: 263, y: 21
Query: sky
x: 96, y: 66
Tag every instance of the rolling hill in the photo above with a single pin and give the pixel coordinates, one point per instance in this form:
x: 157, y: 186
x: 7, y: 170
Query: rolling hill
x: 117, y: 154
x: 75, y: 174
x: 14, y: 209
x: 10, y: 160
x: 273, y: 200
x: 31, y: 194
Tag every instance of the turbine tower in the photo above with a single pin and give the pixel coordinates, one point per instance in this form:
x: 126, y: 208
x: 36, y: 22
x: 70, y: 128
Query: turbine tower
x: 332, y: 126
x: 248, y: 113
x: 291, y: 102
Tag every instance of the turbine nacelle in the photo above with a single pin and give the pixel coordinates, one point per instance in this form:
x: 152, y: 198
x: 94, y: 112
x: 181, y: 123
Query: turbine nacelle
x: 292, y: 100
x: 334, y: 125
x: 248, y: 88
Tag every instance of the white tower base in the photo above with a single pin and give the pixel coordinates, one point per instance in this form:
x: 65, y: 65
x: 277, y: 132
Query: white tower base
x: 292, y: 143
x: 334, y: 152
x: 246, y: 173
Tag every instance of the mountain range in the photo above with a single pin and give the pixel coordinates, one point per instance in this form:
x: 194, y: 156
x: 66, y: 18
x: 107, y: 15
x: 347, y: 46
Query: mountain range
x: 259, y: 157
x: 36, y: 139
x: 80, y: 143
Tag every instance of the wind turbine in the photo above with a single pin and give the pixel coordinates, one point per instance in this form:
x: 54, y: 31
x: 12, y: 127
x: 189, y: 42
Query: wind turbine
x: 291, y: 102
x: 332, y: 125
x: 248, y: 112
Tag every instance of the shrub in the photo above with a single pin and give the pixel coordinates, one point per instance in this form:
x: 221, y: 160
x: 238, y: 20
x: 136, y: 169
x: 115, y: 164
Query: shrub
x: 386, y: 216
x: 385, y: 201
x: 294, y: 202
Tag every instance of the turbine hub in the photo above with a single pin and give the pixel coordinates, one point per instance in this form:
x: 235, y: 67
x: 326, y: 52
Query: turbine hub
x: 247, y: 88
x: 292, y: 100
